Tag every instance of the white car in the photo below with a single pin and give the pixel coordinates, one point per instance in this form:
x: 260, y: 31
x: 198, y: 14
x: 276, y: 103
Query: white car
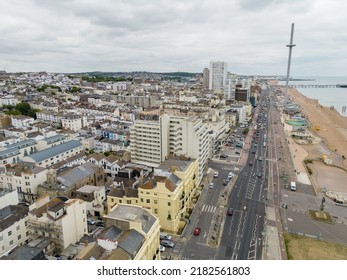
x: 211, y: 186
x: 215, y: 174
x: 162, y: 248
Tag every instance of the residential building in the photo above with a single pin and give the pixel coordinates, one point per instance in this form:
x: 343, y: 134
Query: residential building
x: 241, y: 110
x: 22, y: 122
x: 94, y: 196
x: 8, y: 197
x: 24, y: 179
x: 55, y: 154
x: 51, y: 141
x: 206, y: 78
x: 111, y: 164
x: 15, y: 152
x: 8, y: 100
x: 165, y: 194
x: 13, y: 227
x: 218, y: 75
x: 63, y: 222
x: 131, y: 233
x: 139, y: 101
x: 73, y: 122
x: 154, y: 139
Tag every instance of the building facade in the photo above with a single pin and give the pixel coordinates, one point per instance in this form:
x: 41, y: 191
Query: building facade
x: 218, y: 75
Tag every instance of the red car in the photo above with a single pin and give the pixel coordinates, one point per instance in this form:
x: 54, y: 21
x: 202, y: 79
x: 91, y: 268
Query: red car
x: 197, y: 231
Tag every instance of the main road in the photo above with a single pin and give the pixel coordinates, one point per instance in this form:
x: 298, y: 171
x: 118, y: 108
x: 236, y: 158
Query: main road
x: 243, y: 232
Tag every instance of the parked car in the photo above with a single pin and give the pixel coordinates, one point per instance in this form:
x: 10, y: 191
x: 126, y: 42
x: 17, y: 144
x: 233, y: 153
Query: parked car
x: 90, y: 222
x: 197, y: 231
x: 259, y: 174
x: 162, y: 248
x: 250, y: 163
x: 165, y: 236
x: 167, y: 243
x: 100, y: 224
x: 211, y: 186
x: 225, y: 182
x: 223, y: 156
x: 215, y: 174
x: 260, y: 158
x: 237, y: 152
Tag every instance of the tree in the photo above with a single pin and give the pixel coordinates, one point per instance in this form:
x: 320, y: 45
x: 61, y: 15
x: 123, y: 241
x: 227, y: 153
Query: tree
x: 23, y: 108
x: 106, y: 154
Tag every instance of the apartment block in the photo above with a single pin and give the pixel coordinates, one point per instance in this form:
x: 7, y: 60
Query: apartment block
x: 131, y: 233
x: 63, y: 222
x: 23, y: 179
x: 166, y: 193
x: 13, y: 227
x: 154, y: 139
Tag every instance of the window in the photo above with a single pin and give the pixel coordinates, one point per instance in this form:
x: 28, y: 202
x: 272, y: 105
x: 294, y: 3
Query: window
x: 9, y: 233
x: 169, y: 204
x: 148, y: 200
x: 19, y: 237
x: 128, y: 201
x: 1, y: 238
x: 27, y: 183
x: 11, y: 242
x: 155, y: 201
x: 18, y: 227
x: 155, y: 211
x: 141, y: 199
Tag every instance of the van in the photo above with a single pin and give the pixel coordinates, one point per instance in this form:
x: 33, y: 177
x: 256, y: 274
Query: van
x: 293, y: 186
x: 165, y: 236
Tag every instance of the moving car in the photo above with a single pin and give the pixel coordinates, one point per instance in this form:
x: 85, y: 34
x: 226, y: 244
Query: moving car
x: 230, y: 211
x: 259, y: 174
x: 210, y: 185
x: 197, y: 231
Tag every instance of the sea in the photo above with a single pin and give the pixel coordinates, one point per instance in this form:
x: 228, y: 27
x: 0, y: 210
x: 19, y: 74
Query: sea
x: 336, y: 97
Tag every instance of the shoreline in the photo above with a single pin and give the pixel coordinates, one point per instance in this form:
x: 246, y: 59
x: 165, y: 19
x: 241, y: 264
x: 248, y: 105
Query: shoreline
x: 331, y: 124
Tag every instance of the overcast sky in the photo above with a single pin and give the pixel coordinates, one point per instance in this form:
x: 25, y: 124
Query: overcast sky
x: 170, y: 35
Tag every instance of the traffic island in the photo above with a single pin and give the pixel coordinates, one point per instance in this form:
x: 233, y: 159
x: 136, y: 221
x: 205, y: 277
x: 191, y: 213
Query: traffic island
x: 321, y: 216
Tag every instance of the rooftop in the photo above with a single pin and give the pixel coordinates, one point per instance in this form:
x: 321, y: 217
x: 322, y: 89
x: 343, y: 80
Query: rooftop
x: 53, y: 151
x: 133, y: 213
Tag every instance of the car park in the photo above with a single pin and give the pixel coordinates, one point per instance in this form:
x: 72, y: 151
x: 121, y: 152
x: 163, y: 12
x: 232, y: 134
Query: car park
x: 167, y: 243
x: 197, y: 231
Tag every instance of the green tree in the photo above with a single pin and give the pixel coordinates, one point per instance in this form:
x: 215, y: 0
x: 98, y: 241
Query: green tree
x: 106, y: 154
x: 23, y: 108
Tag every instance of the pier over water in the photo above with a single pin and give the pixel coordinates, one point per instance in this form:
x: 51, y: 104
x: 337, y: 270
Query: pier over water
x: 319, y: 86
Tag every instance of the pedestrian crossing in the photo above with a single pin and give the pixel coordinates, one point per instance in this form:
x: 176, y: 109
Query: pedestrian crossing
x: 208, y: 208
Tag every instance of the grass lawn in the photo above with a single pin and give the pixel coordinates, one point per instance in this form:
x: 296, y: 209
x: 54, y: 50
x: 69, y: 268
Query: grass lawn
x: 304, y: 248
